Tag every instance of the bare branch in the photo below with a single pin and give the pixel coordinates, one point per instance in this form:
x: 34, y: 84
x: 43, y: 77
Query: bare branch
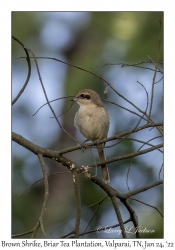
x: 132, y: 112
x: 137, y: 151
x: 123, y: 157
x: 50, y: 175
x: 147, y: 205
x: 146, y: 143
x: 141, y: 117
x: 140, y: 190
x: 29, y: 71
x: 98, y: 205
x: 22, y: 234
x: 78, y: 201
x: 68, y: 234
x: 57, y: 99
x: 46, y: 196
x: 133, y: 216
x: 156, y: 68
x: 160, y: 170
x: 103, y: 228
x: 130, y: 65
x: 117, y: 211
x: 37, y: 67
x: 155, y: 63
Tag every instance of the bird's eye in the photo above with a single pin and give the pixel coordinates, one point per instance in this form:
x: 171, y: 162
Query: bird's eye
x: 85, y: 96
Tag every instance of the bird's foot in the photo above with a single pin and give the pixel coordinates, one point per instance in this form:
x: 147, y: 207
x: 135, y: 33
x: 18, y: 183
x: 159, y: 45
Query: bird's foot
x: 83, y: 146
x: 97, y: 142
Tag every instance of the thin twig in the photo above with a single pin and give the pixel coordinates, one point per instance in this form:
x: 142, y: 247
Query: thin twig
x: 29, y: 71
x: 96, y: 209
x: 99, y: 229
x: 147, y: 205
x: 141, y: 117
x: 159, y: 80
x: 129, y: 65
x: 68, y: 234
x: 152, y: 89
x: 155, y: 72
x: 57, y: 99
x: 78, y: 201
x: 160, y: 171
x: 127, y: 156
x: 50, y: 175
x: 114, y: 103
x: 96, y: 203
x: 155, y: 63
x: 146, y: 143
x: 22, y: 234
x: 42, y: 85
x: 142, y: 189
x: 46, y: 196
x: 137, y: 151
x: 133, y: 216
x: 117, y: 211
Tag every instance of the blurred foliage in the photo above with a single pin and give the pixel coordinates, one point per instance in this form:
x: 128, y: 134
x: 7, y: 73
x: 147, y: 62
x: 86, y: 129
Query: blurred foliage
x: 106, y: 37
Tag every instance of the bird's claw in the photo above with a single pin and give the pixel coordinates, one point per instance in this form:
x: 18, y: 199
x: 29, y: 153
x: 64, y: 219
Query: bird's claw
x: 83, y: 146
x: 97, y: 142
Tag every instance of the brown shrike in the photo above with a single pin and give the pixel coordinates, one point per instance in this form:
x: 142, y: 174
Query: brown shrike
x: 92, y: 120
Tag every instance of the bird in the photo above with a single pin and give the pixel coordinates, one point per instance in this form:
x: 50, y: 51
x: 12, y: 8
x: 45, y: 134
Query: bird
x: 92, y: 120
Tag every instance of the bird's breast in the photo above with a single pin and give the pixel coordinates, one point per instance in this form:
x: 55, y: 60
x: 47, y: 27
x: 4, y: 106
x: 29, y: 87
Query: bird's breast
x: 91, y: 123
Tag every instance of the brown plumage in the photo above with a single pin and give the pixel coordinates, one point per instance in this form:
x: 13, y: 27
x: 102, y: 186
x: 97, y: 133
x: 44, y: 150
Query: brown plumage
x: 92, y: 120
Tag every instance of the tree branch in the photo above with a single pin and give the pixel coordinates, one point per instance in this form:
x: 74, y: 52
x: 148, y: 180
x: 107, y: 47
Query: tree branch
x: 123, y: 157
x: 29, y: 71
x: 147, y: 205
x: 139, y: 190
x: 46, y: 196
x: 117, y: 211
x: 133, y: 216
x: 78, y: 201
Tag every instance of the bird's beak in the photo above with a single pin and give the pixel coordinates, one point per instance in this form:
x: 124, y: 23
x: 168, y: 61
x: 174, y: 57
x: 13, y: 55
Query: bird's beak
x: 74, y: 99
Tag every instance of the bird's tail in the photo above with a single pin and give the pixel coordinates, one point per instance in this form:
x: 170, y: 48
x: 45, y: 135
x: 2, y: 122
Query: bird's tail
x: 104, y: 168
